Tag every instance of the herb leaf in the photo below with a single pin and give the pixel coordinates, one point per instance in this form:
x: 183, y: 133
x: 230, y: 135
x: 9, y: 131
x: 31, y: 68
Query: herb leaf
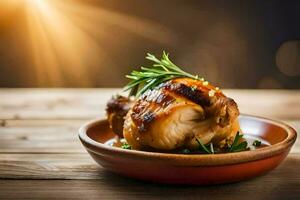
x: 236, y: 146
x: 256, y: 143
x: 185, y: 151
x: 125, y: 145
x: 203, y: 148
x: 162, y: 70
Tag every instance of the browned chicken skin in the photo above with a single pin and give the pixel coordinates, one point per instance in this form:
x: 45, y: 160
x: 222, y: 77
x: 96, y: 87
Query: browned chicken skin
x: 116, y: 109
x: 177, y: 112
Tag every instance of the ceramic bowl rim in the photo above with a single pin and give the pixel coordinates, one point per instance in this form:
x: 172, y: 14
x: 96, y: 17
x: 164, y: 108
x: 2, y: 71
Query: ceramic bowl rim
x: 195, y: 159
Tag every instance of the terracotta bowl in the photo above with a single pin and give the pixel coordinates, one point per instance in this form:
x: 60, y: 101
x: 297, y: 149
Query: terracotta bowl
x: 192, y: 169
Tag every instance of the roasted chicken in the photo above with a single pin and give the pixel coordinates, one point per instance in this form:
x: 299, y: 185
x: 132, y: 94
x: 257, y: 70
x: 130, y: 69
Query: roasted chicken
x: 174, y: 114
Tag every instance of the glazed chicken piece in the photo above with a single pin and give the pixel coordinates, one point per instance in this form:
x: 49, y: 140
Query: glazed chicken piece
x: 175, y: 113
x: 116, y: 109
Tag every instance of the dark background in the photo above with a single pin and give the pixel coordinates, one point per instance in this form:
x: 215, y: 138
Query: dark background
x: 234, y: 44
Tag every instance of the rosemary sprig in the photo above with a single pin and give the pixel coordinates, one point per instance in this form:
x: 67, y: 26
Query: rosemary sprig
x: 237, y: 145
x: 203, y: 148
x: 161, y: 71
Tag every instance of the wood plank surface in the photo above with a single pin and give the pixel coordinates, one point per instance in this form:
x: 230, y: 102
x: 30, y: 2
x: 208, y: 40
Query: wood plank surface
x: 81, y: 166
x: 90, y: 103
x: 54, y: 103
x: 49, y: 166
x: 42, y: 157
x: 115, y: 187
x: 43, y: 136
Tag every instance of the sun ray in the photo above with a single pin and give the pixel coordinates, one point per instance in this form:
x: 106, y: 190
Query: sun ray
x: 45, y: 62
x: 70, y: 38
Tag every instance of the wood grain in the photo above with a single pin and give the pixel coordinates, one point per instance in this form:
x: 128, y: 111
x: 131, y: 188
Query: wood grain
x: 110, y: 186
x: 49, y: 166
x: 81, y: 166
x: 276, y: 104
x: 41, y: 137
x: 54, y: 103
x: 90, y: 103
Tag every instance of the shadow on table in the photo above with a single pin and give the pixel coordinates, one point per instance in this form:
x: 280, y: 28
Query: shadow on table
x: 278, y: 184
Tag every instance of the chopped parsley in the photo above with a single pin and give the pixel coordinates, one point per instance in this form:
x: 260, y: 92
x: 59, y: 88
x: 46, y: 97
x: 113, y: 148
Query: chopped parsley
x: 256, y: 143
x: 125, y: 146
x: 185, y: 151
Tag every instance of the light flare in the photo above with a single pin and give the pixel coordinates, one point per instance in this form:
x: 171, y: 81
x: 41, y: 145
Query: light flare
x: 71, y: 37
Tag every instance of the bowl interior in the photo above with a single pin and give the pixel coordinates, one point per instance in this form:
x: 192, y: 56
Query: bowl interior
x: 271, y: 131
x: 100, y: 136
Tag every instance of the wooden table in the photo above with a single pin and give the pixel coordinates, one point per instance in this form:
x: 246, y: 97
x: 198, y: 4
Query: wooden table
x: 42, y: 157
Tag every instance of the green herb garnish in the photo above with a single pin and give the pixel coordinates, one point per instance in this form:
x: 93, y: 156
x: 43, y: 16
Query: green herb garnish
x: 207, y: 149
x: 237, y: 145
x: 256, y: 143
x: 185, y: 151
x: 149, y: 77
x: 125, y: 146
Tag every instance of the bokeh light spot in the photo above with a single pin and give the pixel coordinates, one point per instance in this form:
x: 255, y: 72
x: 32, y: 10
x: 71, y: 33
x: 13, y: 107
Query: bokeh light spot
x: 288, y: 58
